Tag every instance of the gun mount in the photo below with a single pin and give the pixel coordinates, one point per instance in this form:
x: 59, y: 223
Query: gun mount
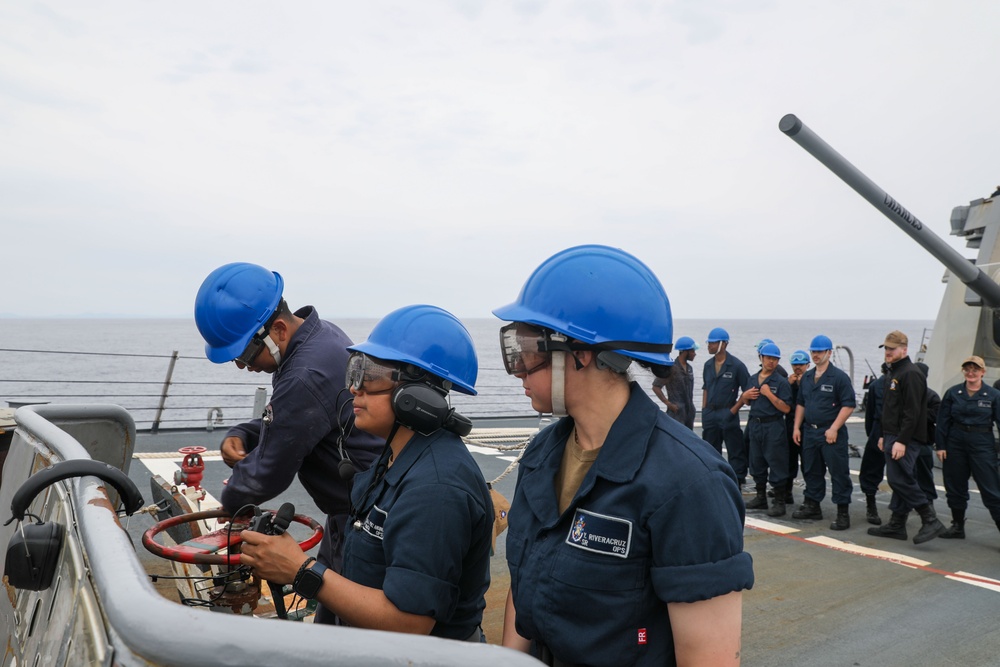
x: 968, y: 321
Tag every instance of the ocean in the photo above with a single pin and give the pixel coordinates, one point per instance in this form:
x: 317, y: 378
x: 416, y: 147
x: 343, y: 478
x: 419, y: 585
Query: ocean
x: 125, y: 361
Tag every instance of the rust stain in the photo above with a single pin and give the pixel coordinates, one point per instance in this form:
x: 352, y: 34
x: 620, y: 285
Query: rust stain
x: 11, y: 592
x: 106, y: 504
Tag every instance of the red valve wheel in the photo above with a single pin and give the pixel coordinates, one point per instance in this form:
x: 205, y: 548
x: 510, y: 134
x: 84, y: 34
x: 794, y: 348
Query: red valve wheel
x: 204, y: 550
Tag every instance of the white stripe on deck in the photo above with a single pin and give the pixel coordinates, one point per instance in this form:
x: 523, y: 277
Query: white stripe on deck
x: 976, y: 580
x: 827, y: 542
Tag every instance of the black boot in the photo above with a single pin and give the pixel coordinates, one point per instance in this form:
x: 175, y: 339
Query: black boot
x: 871, y: 512
x: 809, y: 509
x: 843, y: 521
x: 778, y: 502
x: 896, y: 528
x: 789, y: 498
x: 759, y: 502
x: 956, y: 531
x: 930, y: 526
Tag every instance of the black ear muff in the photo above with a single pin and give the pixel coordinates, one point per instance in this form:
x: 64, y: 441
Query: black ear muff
x: 33, y: 556
x: 420, y: 407
x: 33, y: 551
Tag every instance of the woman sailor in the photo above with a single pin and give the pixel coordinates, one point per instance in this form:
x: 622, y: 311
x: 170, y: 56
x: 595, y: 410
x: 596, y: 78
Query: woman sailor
x: 625, y: 534
x: 416, y: 555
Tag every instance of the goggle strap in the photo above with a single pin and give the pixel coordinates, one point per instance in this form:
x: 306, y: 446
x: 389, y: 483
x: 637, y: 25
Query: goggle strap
x: 551, y: 343
x: 273, y: 349
x: 558, y: 376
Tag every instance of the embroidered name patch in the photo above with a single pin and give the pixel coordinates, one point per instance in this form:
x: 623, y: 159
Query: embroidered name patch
x: 827, y: 388
x: 986, y: 404
x: 728, y: 375
x: 375, y: 523
x: 600, y: 534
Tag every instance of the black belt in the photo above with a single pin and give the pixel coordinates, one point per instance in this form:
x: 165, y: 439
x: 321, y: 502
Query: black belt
x: 974, y: 428
x: 822, y: 426
x: 767, y: 420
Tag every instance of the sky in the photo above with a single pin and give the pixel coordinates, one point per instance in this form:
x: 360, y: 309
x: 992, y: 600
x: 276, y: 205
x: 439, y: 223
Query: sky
x: 378, y: 154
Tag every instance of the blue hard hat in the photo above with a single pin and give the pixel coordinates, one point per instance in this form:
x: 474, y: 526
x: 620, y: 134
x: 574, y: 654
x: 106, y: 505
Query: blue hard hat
x: 686, y: 343
x: 820, y: 344
x: 762, y: 343
x: 769, y: 350
x: 799, y: 357
x: 598, y: 295
x: 717, y: 335
x: 430, y: 338
x: 233, y: 303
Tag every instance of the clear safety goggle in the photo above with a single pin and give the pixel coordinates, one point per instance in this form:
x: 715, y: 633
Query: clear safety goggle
x: 259, y: 341
x: 370, y: 375
x: 525, y: 349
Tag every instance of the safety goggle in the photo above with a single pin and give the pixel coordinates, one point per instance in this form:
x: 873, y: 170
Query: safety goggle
x: 364, y: 372
x: 253, y: 348
x: 525, y: 349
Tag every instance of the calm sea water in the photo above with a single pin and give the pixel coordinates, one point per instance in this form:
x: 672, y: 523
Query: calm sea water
x: 126, y: 362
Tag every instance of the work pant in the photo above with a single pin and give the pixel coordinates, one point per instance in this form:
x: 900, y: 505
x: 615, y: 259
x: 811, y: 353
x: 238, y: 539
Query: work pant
x: 794, y: 451
x: 684, y: 414
x: 906, y: 493
x: 923, y: 471
x: 768, y: 452
x: 873, y: 469
x: 719, y: 425
x: 817, y: 457
x: 872, y: 465
x: 972, y: 454
x: 331, y: 554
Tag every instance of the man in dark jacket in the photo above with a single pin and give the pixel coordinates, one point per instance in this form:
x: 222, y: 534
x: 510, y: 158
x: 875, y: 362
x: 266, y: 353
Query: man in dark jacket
x: 307, y: 428
x: 904, y: 430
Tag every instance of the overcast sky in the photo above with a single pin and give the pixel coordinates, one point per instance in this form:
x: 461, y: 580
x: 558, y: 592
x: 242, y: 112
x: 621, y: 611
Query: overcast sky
x: 384, y: 153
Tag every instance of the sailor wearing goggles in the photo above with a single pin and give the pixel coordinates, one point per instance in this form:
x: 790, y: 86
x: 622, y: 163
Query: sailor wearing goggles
x: 626, y: 530
x: 416, y: 556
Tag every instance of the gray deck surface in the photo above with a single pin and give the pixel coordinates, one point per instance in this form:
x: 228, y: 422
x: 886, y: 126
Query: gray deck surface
x: 815, y: 601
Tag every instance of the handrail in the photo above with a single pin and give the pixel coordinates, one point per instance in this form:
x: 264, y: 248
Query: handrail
x: 182, y: 402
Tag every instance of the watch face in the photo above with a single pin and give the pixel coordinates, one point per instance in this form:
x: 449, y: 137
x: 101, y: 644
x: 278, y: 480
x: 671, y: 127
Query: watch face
x: 308, y: 584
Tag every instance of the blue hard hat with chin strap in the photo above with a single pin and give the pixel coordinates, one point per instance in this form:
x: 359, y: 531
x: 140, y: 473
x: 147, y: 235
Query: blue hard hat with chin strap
x: 600, y: 296
x: 718, y: 335
x: 429, y: 338
x: 232, y: 305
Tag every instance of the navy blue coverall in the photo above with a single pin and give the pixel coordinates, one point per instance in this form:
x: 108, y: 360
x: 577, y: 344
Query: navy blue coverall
x: 822, y: 400
x: 965, y: 431
x: 422, y: 532
x: 722, y: 389
x: 298, y: 434
x: 657, y: 519
x: 766, y: 434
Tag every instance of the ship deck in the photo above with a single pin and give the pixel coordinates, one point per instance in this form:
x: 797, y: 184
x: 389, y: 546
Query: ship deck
x: 821, y: 597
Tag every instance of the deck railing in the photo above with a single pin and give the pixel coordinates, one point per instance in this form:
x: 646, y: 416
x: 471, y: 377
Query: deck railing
x: 175, y: 391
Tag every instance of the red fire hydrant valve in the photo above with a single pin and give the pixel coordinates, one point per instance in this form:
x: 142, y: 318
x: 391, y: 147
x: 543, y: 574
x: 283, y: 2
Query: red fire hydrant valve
x: 192, y: 467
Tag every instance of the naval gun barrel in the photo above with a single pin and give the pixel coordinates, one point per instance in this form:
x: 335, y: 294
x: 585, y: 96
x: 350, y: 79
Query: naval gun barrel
x: 966, y: 271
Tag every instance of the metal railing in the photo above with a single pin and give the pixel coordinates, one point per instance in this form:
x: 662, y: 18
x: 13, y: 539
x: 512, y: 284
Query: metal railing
x: 175, y: 391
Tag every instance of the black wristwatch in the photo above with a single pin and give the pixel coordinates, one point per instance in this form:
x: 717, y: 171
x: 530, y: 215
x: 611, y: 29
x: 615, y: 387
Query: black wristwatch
x: 308, y: 580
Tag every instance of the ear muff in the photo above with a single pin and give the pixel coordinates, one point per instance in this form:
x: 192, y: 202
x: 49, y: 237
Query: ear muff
x: 33, y: 551
x: 420, y: 407
x: 424, y: 408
